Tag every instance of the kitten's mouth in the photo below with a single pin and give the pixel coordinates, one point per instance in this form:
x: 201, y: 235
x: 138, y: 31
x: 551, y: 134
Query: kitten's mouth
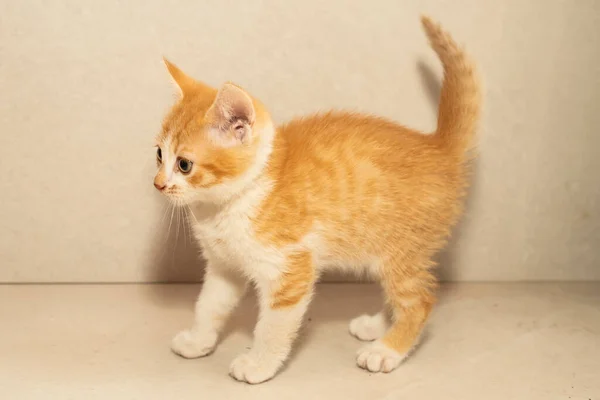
x: 174, y: 196
x: 173, y: 191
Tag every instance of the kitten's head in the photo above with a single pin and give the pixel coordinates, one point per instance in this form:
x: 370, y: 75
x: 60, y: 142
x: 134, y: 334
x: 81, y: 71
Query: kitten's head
x: 213, y: 143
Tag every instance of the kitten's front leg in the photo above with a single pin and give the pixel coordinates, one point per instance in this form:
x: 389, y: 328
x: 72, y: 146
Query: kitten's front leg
x: 282, y: 306
x: 220, y: 293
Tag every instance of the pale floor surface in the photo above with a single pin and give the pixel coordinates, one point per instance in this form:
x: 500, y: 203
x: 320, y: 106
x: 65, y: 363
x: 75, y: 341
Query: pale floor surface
x: 484, y: 341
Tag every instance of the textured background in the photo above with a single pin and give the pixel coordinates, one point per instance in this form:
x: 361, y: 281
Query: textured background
x: 84, y: 90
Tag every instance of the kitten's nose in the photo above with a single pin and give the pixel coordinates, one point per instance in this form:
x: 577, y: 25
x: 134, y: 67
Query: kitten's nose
x: 159, y: 186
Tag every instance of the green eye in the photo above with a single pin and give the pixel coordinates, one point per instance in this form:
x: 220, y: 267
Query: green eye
x: 159, y: 155
x: 185, y: 166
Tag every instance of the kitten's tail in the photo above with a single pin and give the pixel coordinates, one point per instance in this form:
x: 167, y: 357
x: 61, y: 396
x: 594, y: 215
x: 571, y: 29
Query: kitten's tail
x: 460, y: 100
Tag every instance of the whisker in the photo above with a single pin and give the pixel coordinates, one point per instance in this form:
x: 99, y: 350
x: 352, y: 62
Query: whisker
x: 176, y: 234
x: 166, y: 239
x: 162, y: 220
x: 185, y: 228
x: 182, y: 212
x: 192, y: 213
x: 191, y: 223
x: 178, y: 223
x: 170, y: 221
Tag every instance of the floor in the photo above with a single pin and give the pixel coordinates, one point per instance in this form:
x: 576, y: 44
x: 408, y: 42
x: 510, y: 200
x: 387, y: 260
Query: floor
x: 484, y: 341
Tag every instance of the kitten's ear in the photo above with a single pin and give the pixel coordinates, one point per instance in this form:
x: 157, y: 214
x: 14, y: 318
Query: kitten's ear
x: 231, y: 116
x: 185, y: 83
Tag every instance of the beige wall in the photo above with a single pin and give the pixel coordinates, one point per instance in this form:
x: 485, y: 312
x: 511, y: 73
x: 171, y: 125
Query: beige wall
x: 83, y: 92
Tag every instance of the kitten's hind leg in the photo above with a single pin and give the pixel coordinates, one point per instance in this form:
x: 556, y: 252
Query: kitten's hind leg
x: 411, y: 298
x: 369, y: 327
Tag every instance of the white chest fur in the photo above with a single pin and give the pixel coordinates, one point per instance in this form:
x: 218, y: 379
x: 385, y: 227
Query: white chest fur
x: 227, y: 237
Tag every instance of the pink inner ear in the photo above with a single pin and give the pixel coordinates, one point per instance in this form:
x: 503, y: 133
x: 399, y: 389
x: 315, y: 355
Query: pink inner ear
x: 233, y: 113
x: 242, y: 109
x: 242, y: 130
x: 234, y: 104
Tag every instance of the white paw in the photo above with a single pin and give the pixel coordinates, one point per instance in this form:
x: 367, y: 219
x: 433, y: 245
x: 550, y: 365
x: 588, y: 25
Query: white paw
x: 368, y: 327
x: 247, y: 368
x: 377, y: 357
x: 192, y: 344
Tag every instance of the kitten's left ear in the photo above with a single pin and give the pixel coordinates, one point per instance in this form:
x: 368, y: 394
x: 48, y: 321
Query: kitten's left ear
x: 185, y: 83
x: 231, y: 116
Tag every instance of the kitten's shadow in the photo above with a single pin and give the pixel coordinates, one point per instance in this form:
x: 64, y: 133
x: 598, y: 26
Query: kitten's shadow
x: 431, y: 82
x: 174, y: 258
x: 332, y: 304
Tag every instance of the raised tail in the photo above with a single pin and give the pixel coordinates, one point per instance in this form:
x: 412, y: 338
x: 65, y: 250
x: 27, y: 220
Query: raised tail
x: 460, y: 100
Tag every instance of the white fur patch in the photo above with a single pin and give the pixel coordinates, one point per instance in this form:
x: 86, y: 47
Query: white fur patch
x: 369, y: 327
x: 192, y: 344
x: 246, y: 368
x: 377, y: 357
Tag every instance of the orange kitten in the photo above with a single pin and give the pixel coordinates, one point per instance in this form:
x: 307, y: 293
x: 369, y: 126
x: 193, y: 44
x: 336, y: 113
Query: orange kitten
x: 277, y: 206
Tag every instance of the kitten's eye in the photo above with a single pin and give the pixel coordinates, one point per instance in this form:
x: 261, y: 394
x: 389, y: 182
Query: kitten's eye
x: 185, y: 166
x: 159, y: 154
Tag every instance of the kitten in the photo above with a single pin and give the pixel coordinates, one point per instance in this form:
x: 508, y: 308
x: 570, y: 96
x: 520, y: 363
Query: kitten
x: 277, y: 206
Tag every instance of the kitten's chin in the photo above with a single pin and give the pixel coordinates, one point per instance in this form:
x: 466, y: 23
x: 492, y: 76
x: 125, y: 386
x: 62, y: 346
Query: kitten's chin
x: 179, y: 200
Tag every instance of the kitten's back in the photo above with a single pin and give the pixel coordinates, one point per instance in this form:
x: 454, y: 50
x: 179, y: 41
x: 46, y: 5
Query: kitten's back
x: 364, y: 181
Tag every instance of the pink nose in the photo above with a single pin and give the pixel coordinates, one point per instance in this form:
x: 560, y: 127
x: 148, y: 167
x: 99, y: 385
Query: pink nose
x: 159, y: 186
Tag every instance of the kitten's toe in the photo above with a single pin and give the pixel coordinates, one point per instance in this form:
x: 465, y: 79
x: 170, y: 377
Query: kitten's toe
x: 377, y: 357
x: 246, y: 368
x: 192, y: 344
x: 368, y: 327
